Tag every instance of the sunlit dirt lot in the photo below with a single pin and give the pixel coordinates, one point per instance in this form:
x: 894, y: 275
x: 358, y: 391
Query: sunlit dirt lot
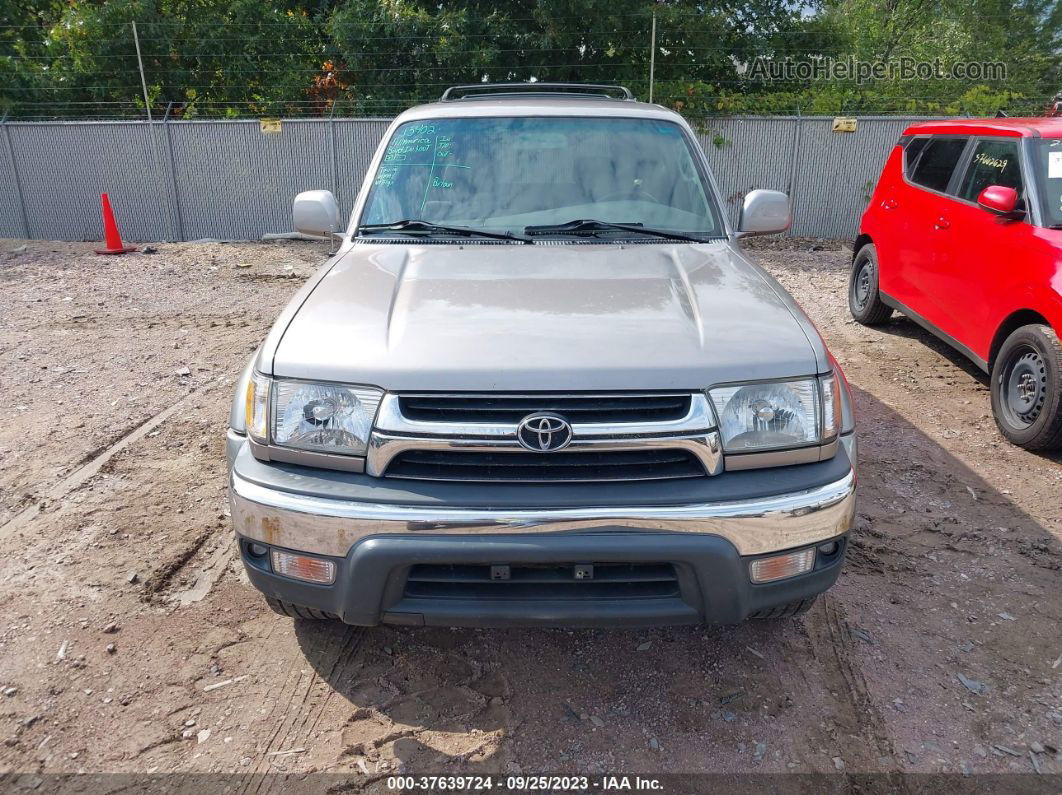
x: 130, y: 641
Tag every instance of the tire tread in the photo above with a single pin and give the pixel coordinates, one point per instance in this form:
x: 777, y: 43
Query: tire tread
x: 876, y: 311
x: 298, y: 611
x: 1052, y: 433
x: 1050, y: 436
x: 789, y: 610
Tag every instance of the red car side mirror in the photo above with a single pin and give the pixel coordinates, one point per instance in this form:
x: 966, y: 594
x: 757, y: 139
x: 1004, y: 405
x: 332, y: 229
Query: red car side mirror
x: 1000, y: 200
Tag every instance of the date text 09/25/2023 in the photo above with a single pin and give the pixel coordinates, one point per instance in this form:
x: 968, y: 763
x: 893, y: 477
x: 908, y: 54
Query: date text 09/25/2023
x: 524, y: 783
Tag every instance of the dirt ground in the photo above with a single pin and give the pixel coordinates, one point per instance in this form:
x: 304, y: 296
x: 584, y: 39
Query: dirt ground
x: 130, y: 641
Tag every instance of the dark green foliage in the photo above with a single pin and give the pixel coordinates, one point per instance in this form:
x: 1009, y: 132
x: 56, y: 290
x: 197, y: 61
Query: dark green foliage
x: 76, y: 58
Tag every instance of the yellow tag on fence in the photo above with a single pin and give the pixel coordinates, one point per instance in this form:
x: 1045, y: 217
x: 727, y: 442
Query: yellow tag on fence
x: 845, y: 124
x: 270, y: 125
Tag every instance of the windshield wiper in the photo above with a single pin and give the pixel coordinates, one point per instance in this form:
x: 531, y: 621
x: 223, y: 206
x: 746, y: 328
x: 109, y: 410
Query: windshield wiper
x: 412, y: 225
x: 589, y: 226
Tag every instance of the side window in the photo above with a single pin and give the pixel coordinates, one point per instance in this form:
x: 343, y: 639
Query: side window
x: 995, y: 162
x: 910, y: 154
x: 936, y: 161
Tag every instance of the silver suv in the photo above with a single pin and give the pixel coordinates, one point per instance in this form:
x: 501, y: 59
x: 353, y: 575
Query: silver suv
x: 539, y: 383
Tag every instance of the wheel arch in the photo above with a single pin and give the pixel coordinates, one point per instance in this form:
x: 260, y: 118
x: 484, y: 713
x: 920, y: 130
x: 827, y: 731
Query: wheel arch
x: 861, y: 240
x: 1012, y: 322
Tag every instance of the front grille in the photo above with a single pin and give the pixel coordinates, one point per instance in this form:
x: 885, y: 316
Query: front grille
x: 563, y: 467
x: 574, y: 408
x: 543, y: 582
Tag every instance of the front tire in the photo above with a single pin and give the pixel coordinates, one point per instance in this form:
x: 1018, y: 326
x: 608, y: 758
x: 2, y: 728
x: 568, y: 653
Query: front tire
x: 1027, y: 388
x: 864, y: 301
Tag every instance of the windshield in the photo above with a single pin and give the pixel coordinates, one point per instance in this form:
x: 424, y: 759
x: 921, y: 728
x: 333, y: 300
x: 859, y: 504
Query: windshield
x: 505, y: 174
x: 1049, y: 172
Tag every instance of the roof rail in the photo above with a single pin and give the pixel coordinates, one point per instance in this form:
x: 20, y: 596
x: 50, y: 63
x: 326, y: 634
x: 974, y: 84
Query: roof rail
x: 575, y: 90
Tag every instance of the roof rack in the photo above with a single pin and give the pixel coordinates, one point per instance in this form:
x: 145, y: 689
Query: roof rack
x: 574, y: 90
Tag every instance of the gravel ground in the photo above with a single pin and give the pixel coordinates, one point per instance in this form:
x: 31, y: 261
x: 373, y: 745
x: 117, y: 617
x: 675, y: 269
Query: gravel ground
x: 131, y: 643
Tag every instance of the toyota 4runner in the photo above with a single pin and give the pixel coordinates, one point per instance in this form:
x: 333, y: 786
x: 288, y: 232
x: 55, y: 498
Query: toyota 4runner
x: 539, y: 383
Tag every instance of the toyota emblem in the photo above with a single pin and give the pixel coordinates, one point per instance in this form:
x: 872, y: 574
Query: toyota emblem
x: 544, y: 433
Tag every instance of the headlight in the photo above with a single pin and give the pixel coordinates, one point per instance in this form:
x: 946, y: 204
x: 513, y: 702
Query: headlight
x: 326, y: 418
x: 257, y: 417
x: 831, y: 406
x: 771, y: 416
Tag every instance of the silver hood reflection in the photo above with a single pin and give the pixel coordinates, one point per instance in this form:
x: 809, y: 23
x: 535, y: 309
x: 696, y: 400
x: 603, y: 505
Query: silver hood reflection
x: 543, y: 318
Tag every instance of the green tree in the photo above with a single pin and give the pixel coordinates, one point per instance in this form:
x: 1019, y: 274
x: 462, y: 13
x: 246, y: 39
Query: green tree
x: 419, y: 47
x: 311, y: 57
x: 1024, y: 35
x: 24, y: 26
x: 202, y: 57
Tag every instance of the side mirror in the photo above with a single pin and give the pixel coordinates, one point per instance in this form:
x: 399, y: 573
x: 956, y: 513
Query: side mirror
x: 764, y: 212
x: 1001, y: 201
x: 316, y: 213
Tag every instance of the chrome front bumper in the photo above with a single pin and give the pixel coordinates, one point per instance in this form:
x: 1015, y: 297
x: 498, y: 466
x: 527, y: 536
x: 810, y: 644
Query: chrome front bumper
x: 328, y: 526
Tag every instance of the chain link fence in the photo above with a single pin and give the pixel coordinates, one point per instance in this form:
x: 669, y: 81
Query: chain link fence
x: 187, y: 180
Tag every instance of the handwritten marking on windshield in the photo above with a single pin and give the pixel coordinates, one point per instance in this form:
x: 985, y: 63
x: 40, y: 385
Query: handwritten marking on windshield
x: 427, y: 182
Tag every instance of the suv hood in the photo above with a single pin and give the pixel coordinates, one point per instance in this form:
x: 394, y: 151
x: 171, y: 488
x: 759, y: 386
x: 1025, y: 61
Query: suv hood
x: 544, y: 318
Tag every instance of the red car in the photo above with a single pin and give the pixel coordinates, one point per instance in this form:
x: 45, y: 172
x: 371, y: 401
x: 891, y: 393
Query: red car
x: 964, y: 236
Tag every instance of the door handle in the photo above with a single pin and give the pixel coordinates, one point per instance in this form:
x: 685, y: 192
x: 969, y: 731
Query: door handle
x: 942, y: 223
x: 890, y: 204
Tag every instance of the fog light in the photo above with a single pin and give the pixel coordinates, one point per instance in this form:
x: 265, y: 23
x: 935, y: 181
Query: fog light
x: 257, y: 550
x: 303, y: 567
x: 778, y: 567
x: 828, y: 548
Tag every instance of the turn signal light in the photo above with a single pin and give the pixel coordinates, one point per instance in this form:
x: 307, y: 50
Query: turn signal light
x: 778, y: 567
x: 303, y: 567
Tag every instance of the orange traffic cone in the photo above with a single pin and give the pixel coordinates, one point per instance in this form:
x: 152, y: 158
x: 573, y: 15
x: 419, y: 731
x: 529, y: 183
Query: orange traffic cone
x: 110, y: 231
